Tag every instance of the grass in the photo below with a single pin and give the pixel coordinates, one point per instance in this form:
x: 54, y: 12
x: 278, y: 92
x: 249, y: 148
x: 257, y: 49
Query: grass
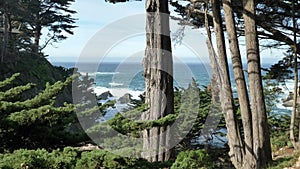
x: 285, y: 161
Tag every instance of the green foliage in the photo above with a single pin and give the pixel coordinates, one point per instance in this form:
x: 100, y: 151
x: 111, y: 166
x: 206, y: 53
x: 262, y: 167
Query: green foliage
x: 125, y: 125
x: 278, y: 122
x: 72, y: 158
x: 8, y: 81
x: 284, y: 162
x: 30, y: 17
x: 15, y: 92
x: 65, y: 159
x: 35, y: 70
x: 189, y: 105
x: 35, y: 122
x: 272, y: 92
x: 104, y: 159
x: 192, y: 107
x: 98, y: 159
x: 40, y: 158
x: 193, y: 159
x: 120, y: 126
x: 138, y: 102
x: 43, y: 98
x: 124, y: 145
x: 24, y: 158
x: 88, y: 108
x: 279, y: 125
x: 280, y: 71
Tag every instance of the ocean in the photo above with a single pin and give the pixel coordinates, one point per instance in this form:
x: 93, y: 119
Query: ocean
x: 116, y: 77
x: 122, y: 78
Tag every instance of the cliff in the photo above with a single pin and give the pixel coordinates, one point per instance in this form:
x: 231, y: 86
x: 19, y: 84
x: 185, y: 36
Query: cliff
x: 37, y: 70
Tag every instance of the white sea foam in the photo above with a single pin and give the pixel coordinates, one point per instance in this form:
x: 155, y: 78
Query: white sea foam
x: 99, y: 73
x: 115, y: 84
x: 286, y: 89
x: 118, y: 92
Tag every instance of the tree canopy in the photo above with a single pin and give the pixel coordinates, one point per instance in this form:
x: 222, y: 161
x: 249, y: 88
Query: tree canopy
x: 24, y: 23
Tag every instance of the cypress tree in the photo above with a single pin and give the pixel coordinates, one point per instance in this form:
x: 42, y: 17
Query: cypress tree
x: 35, y: 122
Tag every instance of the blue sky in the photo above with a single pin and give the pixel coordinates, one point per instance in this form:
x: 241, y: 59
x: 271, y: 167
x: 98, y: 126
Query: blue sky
x: 94, y: 16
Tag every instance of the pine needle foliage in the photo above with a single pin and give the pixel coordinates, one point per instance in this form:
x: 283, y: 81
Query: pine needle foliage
x: 36, y: 122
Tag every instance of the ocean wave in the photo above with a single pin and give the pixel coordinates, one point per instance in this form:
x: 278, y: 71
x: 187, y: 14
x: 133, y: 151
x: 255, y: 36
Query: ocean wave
x: 287, y: 87
x: 99, y: 73
x: 107, y: 73
x: 118, y: 92
x: 115, y: 84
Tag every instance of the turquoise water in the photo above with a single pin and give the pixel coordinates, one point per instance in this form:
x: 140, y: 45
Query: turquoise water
x: 130, y: 75
x: 121, y: 78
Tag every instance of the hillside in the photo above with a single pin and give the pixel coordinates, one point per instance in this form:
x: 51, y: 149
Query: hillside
x: 34, y: 69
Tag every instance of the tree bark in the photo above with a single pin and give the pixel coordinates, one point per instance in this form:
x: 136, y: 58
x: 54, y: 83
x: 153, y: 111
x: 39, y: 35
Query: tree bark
x: 295, y: 97
x: 5, y: 37
x: 233, y: 134
x: 261, y: 137
x: 215, y: 79
x: 158, y: 73
x: 240, y: 84
x: 37, y: 35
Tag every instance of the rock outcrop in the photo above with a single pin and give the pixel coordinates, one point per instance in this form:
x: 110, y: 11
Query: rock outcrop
x: 288, y: 102
x: 89, y: 147
x: 127, y: 98
x: 105, y: 96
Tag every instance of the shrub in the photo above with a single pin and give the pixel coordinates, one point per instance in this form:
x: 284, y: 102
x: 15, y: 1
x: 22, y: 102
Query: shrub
x: 103, y: 159
x: 64, y: 160
x: 193, y: 159
x: 40, y: 158
x: 71, y: 158
x: 25, y: 159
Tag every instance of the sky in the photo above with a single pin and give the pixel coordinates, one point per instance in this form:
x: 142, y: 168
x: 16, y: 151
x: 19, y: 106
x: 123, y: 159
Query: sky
x: 92, y: 16
x: 115, y: 32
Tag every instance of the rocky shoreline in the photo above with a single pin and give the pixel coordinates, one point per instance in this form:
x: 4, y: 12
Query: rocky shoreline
x: 125, y: 99
x: 288, y: 101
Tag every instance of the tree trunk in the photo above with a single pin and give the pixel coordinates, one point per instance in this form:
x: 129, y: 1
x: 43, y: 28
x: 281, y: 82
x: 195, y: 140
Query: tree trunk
x: 5, y: 37
x: 261, y: 137
x: 215, y: 79
x: 295, y: 97
x: 10, y: 44
x: 240, y: 84
x: 233, y: 134
x: 158, y: 73
x: 295, y: 105
x: 37, y: 36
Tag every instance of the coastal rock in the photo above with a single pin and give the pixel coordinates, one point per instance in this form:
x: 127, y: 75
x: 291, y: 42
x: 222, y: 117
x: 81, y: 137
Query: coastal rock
x: 105, y: 96
x: 89, y: 147
x: 288, y: 101
x: 125, y: 99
